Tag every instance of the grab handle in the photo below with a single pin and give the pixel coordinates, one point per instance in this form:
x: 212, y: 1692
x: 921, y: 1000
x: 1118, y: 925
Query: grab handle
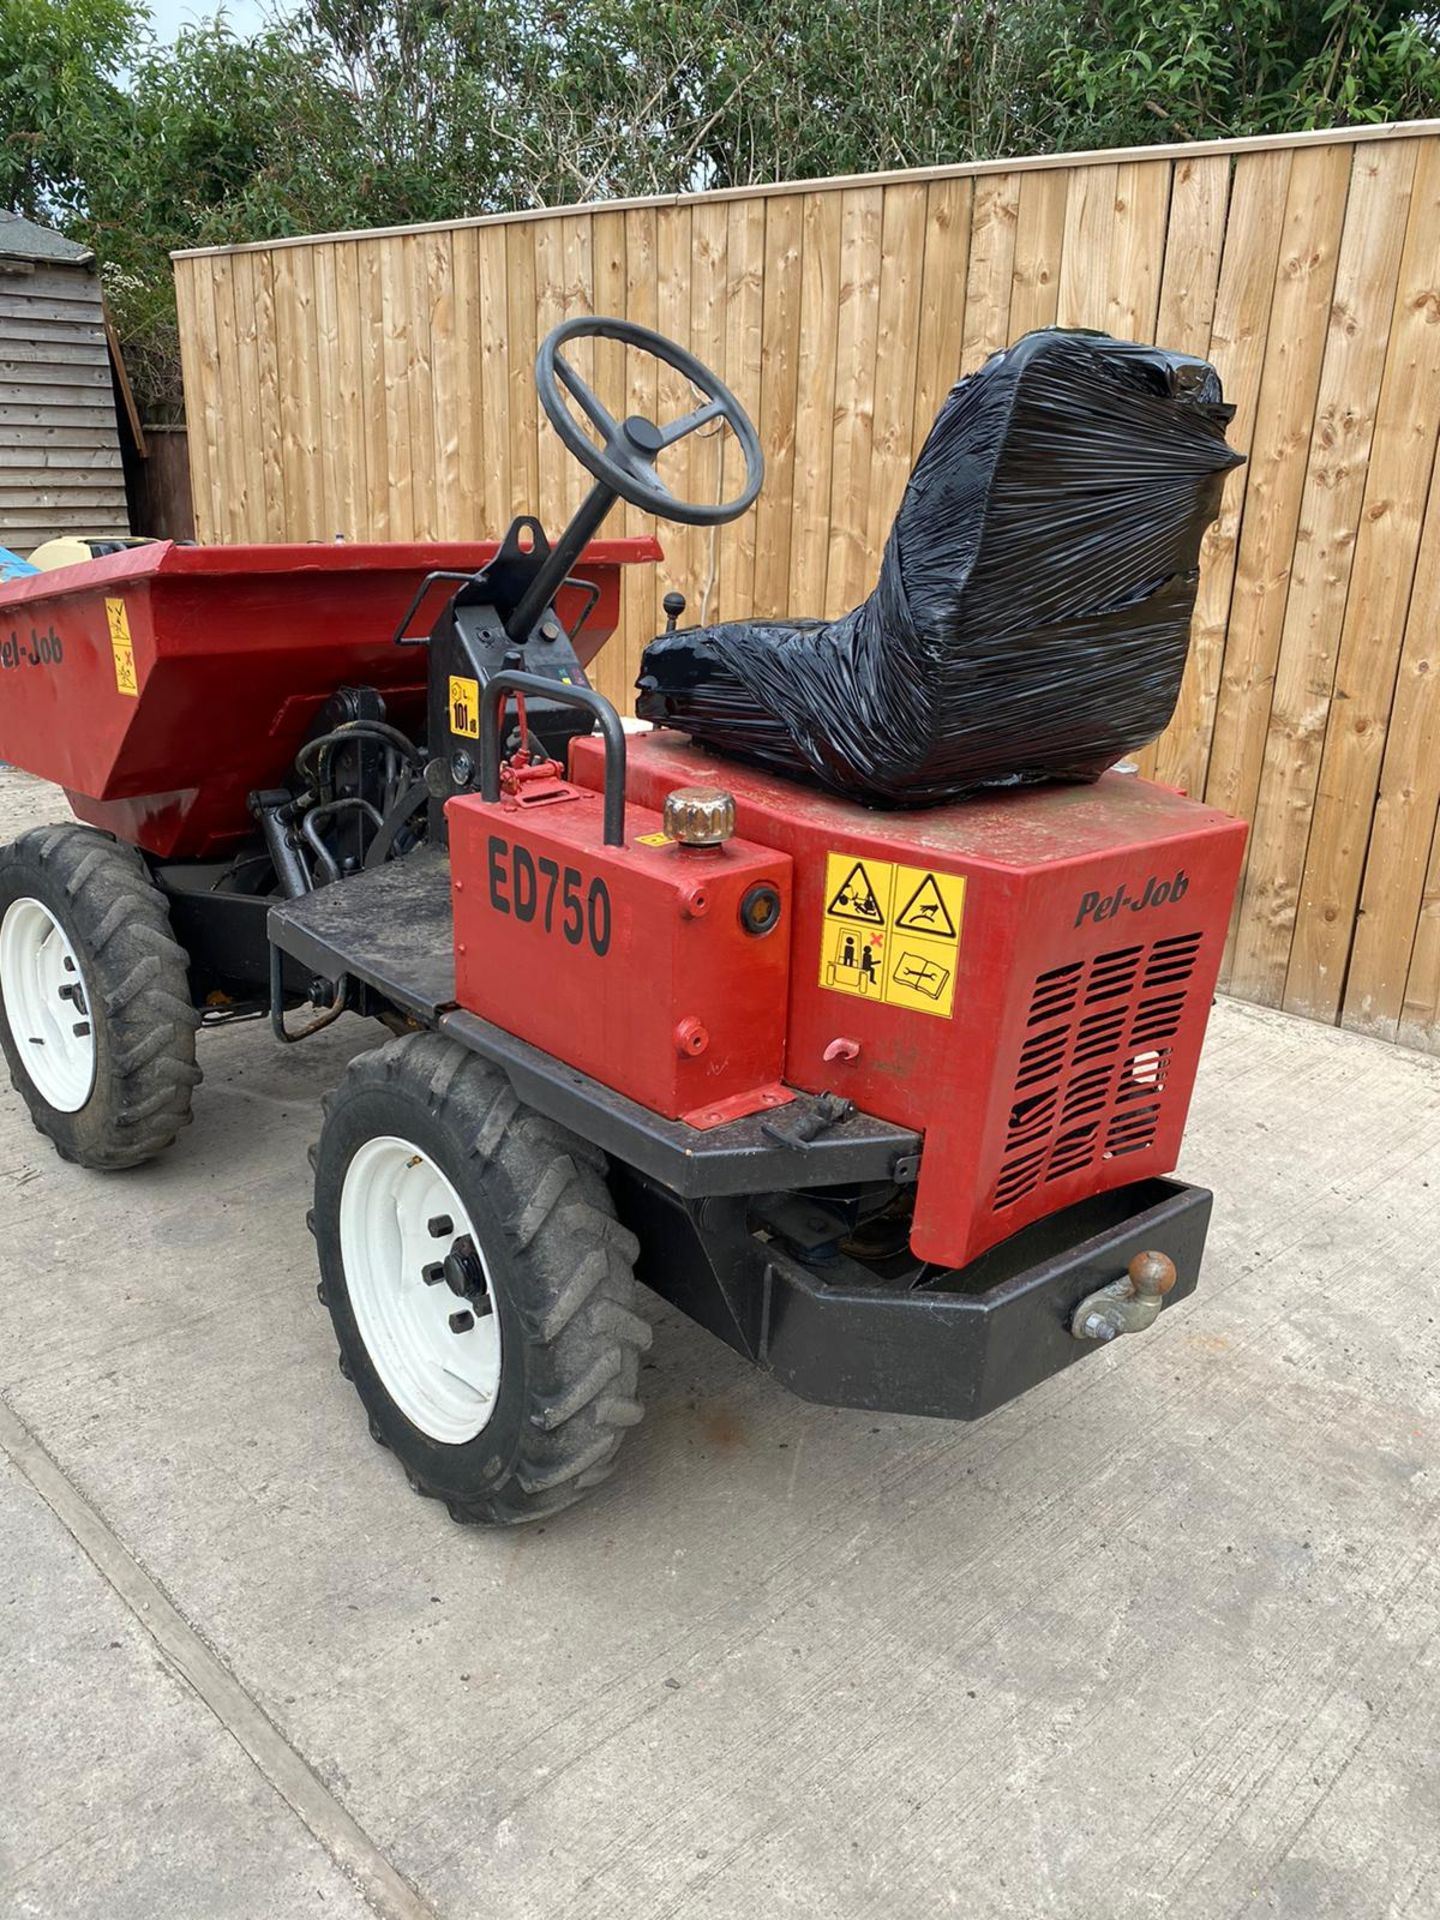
x: 535, y: 686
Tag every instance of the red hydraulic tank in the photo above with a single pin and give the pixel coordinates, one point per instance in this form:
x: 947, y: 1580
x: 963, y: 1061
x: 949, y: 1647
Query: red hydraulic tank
x: 660, y: 970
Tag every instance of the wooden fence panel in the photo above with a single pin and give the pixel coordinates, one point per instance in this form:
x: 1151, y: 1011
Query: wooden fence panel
x: 1357, y: 763
x: 1299, y: 321
x: 379, y: 386
x: 1339, y: 452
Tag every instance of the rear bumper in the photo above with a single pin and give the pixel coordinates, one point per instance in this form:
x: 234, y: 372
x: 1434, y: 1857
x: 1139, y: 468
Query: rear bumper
x: 1000, y: 1326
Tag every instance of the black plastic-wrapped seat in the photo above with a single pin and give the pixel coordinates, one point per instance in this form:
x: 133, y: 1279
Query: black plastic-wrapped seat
x: 1032, y: 614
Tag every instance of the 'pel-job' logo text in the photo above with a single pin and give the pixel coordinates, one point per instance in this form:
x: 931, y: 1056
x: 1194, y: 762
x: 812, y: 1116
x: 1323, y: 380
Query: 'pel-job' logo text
x: 39, y: 650
x: 1154, y: 893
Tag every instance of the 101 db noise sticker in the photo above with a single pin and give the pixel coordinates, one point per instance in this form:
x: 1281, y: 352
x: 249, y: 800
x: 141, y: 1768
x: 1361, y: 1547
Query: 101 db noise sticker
x: 891, y: 933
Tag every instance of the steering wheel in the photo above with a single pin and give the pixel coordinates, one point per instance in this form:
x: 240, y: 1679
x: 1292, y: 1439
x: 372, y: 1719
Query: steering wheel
x: 624, y: 460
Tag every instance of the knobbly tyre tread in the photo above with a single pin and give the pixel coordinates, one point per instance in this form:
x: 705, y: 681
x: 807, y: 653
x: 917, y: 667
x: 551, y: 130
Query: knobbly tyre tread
x: 137, y: 976
x: 569, y: 1271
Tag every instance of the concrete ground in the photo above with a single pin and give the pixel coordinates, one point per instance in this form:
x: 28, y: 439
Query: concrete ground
x: 1160, y: 1638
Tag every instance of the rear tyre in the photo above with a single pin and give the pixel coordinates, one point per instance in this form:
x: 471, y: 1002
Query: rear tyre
x: 479, y: 1283
x: 95, y: 1014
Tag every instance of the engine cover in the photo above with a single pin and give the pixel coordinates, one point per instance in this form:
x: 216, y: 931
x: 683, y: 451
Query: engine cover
x: 1025, y: 977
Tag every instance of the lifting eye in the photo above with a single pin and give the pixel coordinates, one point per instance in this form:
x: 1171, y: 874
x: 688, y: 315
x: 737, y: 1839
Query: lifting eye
x: 760, y: 909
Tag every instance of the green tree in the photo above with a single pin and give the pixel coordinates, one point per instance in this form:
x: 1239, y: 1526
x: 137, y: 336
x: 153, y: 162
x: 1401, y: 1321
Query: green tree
x: 354, y: 113
x: 1130, y: 71
x: 61, y: 64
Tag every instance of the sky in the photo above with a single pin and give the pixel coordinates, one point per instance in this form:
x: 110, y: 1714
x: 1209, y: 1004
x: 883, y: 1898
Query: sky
x: 170, y: 15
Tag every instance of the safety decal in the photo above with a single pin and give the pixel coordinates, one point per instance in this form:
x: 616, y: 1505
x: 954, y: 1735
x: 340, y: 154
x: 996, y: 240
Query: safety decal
x: 654, y: 840
x: 854, y: 897
x: 122, y: 648
x: 925, y: 912
x: 464, y: 707
x: 891, y: 933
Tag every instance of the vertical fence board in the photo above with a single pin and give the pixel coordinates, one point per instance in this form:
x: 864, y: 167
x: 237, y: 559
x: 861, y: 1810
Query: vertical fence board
x: 400, y: 331
x: 1194, y: 244
x: 420, y: 387
x: 993, y: 220
x: 381, y: 386
x: 779, y: 393
x: 444, y: 507
x: 524, y: 344
x: 948, y: 207
x: 327, y: 391
x: 374, y: 399
x: 489, y: 357
x: 637, y: 611
x: 613, y: 673
x: 675, y: 253
x: 347, y: 427
x: 897, y: 337
x: 554, y: 467
x: 1194, y: 247
x: 852, y: 434
x: 295, y: 358
x: 705, y: 450
x: 194, y: 283
x: 1084, y: 294
x: 460, y: 374
x: 1137, y: 248
x: 230, y: 463
x: 1397, y: 903
x: 247, y: 374
x: 1039, y: 244
x: 577, y: 298
x: 744, y: 345
x: 815, y: 400
x: 1420, y: 1013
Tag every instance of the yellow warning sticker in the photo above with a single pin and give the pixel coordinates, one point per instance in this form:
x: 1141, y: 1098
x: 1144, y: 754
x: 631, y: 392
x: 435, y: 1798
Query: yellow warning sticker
x: 122, y: 648
x: 852, y: 960
x: 927, y: 910
x: 891, y: 933
x: 464, y: 707
x: 859, y: 891
x: 653, y: 840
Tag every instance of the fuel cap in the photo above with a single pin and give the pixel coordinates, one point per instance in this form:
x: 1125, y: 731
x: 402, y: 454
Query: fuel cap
x: 700, y: 816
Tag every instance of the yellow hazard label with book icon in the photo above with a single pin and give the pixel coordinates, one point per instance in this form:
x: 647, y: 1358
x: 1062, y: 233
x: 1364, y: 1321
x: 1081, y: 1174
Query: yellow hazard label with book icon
x: 122, y: 648
x: 891, y: 933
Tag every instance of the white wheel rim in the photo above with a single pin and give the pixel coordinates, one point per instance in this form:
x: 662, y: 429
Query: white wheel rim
x: 444, y: 1377
x: 48, y: 1005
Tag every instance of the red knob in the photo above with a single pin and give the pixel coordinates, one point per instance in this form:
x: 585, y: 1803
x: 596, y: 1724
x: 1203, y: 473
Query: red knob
x: 691, y: 1037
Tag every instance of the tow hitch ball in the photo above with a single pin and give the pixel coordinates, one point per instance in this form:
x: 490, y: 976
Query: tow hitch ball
x: 1127, y: 1305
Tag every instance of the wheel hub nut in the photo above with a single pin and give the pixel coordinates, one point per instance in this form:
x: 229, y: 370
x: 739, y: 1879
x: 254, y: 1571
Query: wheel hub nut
x: 464, y: 1274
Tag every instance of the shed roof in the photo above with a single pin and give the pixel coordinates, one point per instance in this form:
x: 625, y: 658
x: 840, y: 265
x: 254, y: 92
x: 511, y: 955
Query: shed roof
x: 23, y: 240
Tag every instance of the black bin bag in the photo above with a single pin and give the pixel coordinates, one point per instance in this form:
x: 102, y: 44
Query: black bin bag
x: 1033, y: 609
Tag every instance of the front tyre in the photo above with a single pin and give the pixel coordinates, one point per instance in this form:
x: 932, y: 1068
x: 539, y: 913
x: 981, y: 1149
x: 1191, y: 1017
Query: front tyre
x: 479, y: 1283
x: 95, y: 1014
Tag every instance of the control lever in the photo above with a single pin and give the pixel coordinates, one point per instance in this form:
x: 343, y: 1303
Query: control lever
x: 674, y: 605
x: 828, y: 1111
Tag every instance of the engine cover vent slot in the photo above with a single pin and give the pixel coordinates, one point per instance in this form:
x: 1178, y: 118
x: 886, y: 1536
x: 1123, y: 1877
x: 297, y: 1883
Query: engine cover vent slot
x: 1090, y: 1080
